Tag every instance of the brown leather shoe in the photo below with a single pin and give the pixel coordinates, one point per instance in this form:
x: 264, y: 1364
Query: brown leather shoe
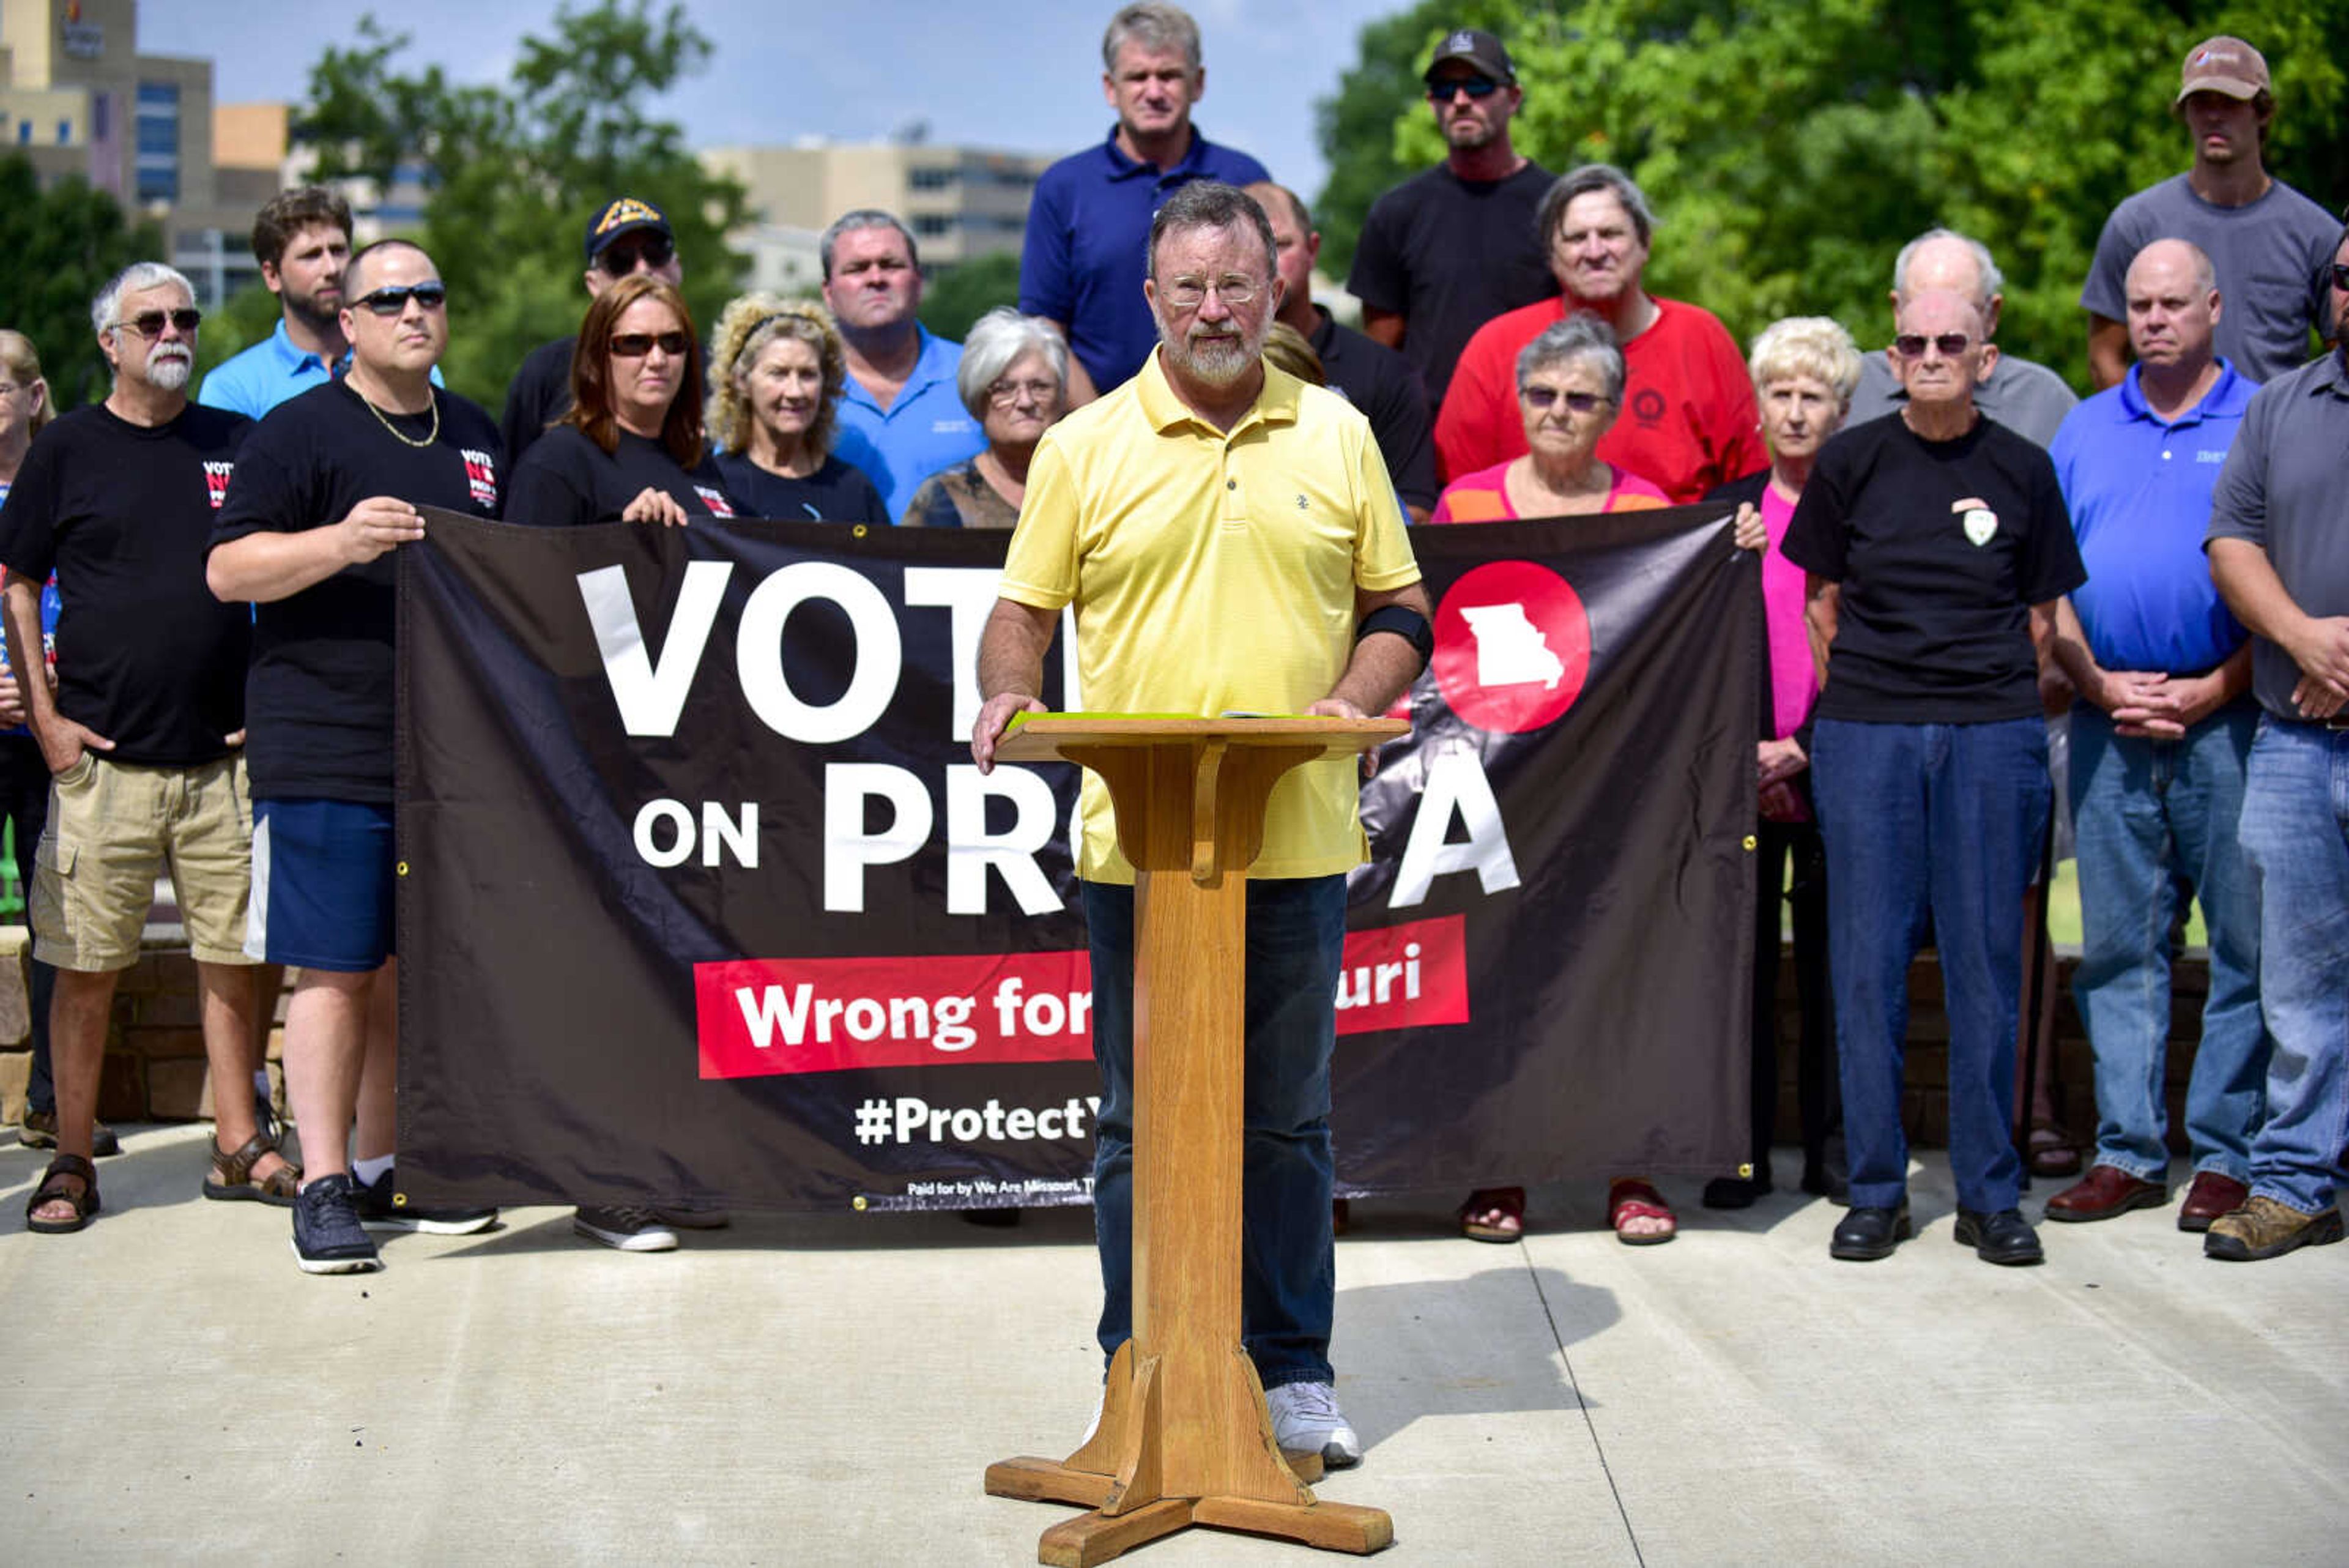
x: 2210, y: 1196
x: 2104, y: 1191
x: 2264, y: 1228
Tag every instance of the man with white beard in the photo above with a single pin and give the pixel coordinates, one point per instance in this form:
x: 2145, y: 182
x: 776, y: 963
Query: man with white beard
x: 1230, y: 542
x: 144, y: 729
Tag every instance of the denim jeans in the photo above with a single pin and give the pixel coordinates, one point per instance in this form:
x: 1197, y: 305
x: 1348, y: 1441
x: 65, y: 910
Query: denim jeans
x: 1945, y: 821
x: 2295, y: 828
x: 1296, y: 938
x: 2149, y: 812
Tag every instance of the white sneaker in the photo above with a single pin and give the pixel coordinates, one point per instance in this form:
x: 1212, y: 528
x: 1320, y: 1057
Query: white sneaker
x: 1306, y: 1421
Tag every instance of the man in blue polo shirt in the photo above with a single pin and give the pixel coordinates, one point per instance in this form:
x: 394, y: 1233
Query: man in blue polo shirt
x: 2160, y: 740
x: 1088, y: 222
x: 301, y: 238
x: 901, y: 417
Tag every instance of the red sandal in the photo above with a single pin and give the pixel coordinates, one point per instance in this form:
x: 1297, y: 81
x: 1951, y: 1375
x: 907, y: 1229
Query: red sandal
x: 1630, y: 1198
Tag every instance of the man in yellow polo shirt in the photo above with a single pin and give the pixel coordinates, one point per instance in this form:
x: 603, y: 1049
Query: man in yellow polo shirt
x: 1230, y: 540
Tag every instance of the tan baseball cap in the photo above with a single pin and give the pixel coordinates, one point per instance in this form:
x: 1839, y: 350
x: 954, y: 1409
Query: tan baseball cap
x: 2222, y: 64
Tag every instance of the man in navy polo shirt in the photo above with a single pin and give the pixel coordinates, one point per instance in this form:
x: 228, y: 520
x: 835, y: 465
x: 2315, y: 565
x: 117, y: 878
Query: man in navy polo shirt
x: 1088, y: 222
x: 901, y: 417
x: 2161, y: 738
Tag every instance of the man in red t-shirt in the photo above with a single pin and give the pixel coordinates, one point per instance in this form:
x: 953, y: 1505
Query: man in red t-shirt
x: 1687, y: 422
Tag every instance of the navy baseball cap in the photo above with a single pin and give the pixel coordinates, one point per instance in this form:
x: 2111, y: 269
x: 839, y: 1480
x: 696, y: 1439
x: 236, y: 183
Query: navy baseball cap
x: 626, y: 215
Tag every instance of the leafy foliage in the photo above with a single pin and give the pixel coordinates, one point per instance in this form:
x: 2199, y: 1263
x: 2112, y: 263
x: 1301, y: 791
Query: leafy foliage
x: 962, y: 293
x: 63, y: 244
x: 515, y: 172
x: 1789, y: 151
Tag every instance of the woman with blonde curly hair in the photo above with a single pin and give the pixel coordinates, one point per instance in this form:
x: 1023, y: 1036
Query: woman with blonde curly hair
x: 775, y: 375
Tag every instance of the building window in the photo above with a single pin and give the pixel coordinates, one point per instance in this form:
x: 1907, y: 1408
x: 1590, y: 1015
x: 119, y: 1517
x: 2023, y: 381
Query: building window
x: 65, y: 132
x: 930, y: 225
x: 101, y: 118
x: 159, y: 142
x: 24, y: 133
x: 931, y: 179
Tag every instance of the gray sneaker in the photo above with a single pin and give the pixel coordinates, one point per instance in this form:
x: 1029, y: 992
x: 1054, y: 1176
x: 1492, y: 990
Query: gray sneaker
x: 327, y: 1236
x: 1306, y: 1421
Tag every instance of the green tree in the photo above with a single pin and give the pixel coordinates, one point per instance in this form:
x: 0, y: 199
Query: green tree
x: 1789, y: 151
x: 514, y: 172
x: 962, y: 293
x: 63, y: 244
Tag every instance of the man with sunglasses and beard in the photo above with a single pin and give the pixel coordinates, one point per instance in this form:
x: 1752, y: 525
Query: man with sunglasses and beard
x: 625, y: 237
x: 141, y: 734
x: 327, y: 489
x: 1230, y: 541
x: 1446, y: 250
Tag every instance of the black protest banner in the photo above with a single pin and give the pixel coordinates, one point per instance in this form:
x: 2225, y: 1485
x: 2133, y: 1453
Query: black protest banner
x: 701, y: 896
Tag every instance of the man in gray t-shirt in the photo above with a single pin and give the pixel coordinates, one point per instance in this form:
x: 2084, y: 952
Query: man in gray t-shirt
x: 2269, y: 243
x: 2028, y: 399
x: 2279, y: 549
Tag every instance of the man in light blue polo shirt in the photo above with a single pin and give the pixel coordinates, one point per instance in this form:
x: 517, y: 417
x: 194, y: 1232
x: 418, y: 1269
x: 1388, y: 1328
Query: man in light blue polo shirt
x: 301, y: 238
x: 2161, y: 737
x: 901, y: 417
x: 1088, y: 222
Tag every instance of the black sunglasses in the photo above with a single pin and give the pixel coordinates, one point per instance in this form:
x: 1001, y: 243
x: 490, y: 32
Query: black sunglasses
x: 150, y: 323
x: 621, y: 257
x: 394, y: 301
x: 1474, y: 87
x: 1911, y: 344
x: 636, y: 345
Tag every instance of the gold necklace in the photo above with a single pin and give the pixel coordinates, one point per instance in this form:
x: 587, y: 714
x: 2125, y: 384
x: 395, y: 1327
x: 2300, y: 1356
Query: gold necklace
x: 430, y: 436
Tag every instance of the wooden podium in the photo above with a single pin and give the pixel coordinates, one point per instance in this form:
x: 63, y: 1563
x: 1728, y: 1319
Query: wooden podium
x: 1185, y: 1437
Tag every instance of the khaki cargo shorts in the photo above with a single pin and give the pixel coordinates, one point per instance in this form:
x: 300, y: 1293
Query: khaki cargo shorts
x: 113, y: 828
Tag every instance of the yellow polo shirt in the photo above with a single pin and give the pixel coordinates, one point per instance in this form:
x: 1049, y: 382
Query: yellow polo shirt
x: 1214, y: 571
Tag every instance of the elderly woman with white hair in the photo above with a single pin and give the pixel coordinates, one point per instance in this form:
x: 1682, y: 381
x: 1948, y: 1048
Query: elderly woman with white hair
x: 1014, y: 379
x: 775, y: 376
x: 1804, y: 368
x: 1569, y: 391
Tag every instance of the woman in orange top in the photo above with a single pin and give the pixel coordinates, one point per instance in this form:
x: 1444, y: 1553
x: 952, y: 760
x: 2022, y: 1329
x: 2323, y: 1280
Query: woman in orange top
x: 1569, y: 390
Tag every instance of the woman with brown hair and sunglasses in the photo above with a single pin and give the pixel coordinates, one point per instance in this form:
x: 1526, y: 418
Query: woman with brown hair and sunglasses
x: 632, y: 448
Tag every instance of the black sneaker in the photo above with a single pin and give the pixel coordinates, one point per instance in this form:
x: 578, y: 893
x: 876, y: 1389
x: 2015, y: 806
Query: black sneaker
x: 378, y: 1209
x: 624, y: 1230
x: 327, y: 1237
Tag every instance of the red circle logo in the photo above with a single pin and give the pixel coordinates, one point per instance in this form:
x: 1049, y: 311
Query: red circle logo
x: 1512, y: 646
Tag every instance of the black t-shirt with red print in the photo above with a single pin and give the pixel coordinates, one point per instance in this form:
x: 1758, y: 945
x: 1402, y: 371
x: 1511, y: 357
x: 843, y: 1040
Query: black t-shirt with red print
x: 146, y: 656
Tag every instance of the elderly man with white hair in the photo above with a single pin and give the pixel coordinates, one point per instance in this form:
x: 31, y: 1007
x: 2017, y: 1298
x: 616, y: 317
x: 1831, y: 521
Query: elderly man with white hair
x: 143, y: 732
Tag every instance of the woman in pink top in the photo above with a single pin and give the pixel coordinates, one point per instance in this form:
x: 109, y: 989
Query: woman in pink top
x: 1569, y: 390
x: 1804, y: 368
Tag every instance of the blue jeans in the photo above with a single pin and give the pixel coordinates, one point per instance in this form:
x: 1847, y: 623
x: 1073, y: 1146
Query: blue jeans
x: 2149, y: 812
x: 1289, y: 1279
x: 2295, y: 828
x: 1942, y: 821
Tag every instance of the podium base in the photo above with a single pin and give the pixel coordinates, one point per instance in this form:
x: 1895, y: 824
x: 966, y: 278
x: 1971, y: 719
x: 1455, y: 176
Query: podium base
x: 1117, y: 1475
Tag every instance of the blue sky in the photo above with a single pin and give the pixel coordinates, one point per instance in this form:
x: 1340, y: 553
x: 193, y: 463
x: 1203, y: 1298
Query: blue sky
x: 1024, y: 76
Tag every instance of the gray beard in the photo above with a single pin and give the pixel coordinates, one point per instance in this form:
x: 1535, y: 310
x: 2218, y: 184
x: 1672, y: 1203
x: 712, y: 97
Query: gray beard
x: 1218, y: 362
x: 170, y: 375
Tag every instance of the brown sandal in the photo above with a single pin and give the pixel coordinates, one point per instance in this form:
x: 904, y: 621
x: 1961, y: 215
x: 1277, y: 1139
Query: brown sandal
x: 53, y: 1189
x: 1495, y: 1214
x: 233, y: 1180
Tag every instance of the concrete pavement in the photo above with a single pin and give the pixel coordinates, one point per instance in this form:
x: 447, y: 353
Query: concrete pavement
x: 828, y: 1389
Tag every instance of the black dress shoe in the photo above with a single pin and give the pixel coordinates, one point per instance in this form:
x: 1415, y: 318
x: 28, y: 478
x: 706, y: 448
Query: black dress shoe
x: 1735, y: 1191
x: 1867, y: 1234
x: 2005, y: 1236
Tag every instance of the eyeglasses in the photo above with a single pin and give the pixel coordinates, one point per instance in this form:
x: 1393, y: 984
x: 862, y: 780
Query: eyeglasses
x: 1479, y: 87
x: 622, y: 257
x: 390, y: 302
x: 150, y: 323
x: 1003, y: 394
x: 636, y: 345
x: 1190, y: 293
x: 1911, y: 344
x: 1542, y: 398
x: 2341, y: 274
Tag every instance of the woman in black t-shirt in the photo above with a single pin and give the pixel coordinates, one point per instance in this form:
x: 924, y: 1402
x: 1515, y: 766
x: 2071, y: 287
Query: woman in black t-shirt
x: 775, y: 375
x: 631, y: 449
x: 1946, y: 540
